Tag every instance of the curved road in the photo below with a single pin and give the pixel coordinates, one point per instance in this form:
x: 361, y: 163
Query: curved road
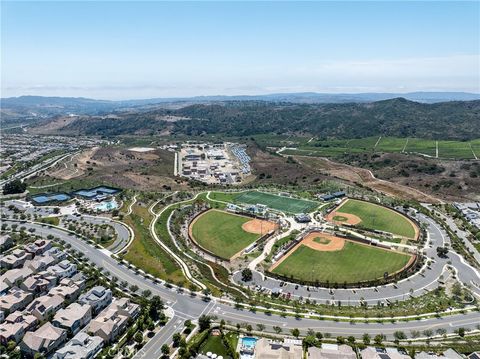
x: 187, y: 306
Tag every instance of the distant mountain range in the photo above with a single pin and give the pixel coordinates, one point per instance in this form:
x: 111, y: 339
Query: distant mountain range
x: 451, y: 115
x: 394, y: 117
x: 86, y: 105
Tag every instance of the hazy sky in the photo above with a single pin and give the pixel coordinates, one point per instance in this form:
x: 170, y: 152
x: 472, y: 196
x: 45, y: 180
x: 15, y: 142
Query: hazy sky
x: 118, y: 50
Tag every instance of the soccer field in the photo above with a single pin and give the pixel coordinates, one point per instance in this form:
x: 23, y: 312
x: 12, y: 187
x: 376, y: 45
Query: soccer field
x: 354, y: 263
x: 378, y: 217
x: 284, y: 204
x: 221, y: 233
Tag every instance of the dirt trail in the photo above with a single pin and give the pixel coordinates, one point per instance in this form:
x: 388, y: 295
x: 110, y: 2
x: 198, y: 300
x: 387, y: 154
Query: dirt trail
x: 366, y: 178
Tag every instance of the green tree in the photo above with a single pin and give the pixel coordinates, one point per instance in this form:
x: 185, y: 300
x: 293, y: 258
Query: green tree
x: 15, y: 186
x: 366, y: 338
x: 204, y: 322
x: 247, y: 275
x: 295, y: 332
x: 165, y: 350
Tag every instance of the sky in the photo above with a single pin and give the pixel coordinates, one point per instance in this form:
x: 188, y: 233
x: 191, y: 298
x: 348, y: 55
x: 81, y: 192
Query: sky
x: 132, y: 50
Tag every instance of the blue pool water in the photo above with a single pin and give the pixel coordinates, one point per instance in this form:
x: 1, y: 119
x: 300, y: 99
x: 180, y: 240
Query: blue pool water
x: 249, y: 342
x: 106, y: 206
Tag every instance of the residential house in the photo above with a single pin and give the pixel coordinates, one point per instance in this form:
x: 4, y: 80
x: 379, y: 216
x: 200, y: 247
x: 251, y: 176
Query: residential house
x: 15, y: 259
x: 73, y: 318
x: 6, y: 242
x: 38, y: 247
x: 16, y: 276
x: 82, y: 346
x: 331, y: 351
x: 125, y: 307
x: 67, y: 289
x: 382, y: 353
x: 98, y: 298
x: 447, y: 354
x: 266, y: 349
x: 45, y: 306
x: 15, y: 327
x: 56, y: 253
x: 80, y: 280
x: 44, y: 340
x: 40, y: 263
x: 64, y: 269
x: 112, y: 321
x: 16, y: 299
x: 39, y: 283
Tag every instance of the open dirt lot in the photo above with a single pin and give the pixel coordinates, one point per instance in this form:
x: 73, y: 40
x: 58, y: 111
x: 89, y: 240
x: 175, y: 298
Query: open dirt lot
x: 366, y: 178
x: 117, y: 166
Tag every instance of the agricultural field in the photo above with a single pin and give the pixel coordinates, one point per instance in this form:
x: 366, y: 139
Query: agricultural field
x: 353, y: 263
x: 223, y: 234
x: 424, y: 147
x: 374, y: 217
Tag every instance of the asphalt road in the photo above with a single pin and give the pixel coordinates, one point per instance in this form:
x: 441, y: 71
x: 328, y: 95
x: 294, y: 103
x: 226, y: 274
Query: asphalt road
x: 123, y: 234
x: 187, y: 306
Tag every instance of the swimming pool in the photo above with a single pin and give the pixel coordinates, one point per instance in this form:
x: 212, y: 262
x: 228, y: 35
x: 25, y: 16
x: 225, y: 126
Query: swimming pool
x: 106, y: 206
x: 249, y: 342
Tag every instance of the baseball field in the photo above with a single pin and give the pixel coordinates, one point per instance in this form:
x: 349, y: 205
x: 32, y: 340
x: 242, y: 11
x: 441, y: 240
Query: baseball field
x: 325, y: 258
x: 226, y: 234
x: 374, y: 217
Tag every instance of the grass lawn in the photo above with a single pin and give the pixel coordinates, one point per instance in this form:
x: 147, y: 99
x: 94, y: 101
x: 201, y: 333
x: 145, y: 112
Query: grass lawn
x: 377, y: 217
x: 321, y: 240
x: 221, y: 233
x: 147, y: 254
x: 215, y: 344
x: 354, y: 263
x: 285, y: 204
x: 340, y: 218
x: 50, y: 220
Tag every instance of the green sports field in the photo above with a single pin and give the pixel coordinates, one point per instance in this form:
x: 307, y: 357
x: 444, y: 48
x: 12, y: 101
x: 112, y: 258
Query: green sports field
x: 221, y: 233
x: 354, y: 263
x: 284, y: 204
x: 377, y: 217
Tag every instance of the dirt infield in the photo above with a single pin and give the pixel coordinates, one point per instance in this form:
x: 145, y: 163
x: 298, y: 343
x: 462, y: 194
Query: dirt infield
x: 259, y: 226
x: 334, y: 244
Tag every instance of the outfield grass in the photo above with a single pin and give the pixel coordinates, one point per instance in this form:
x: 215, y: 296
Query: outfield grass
x: 377, y: 217
x: 221, y: 233
x: 354, y: 263
x: 284, y: 204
